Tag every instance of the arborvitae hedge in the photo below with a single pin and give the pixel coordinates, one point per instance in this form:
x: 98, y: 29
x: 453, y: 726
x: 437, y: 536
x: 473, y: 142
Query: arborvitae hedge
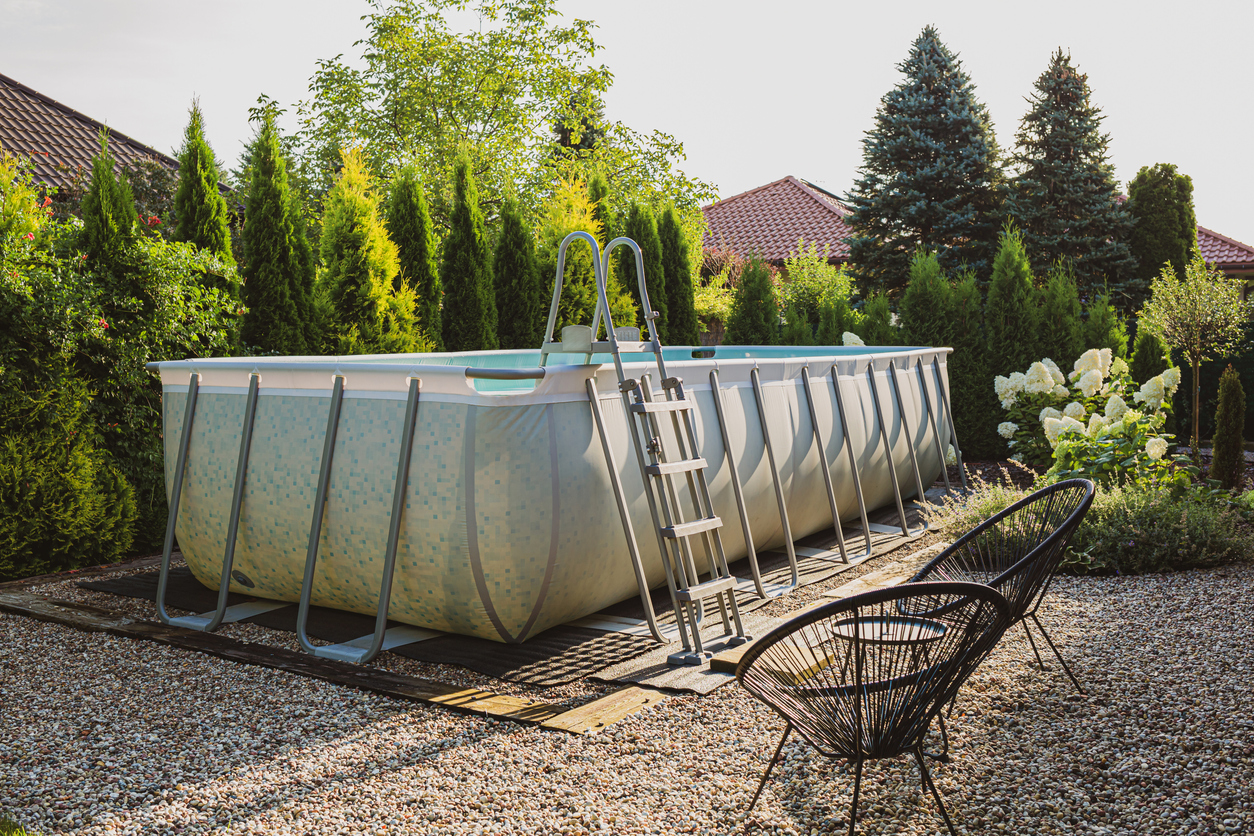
x: 1228, y: 462
x: 976, y: 410
x: 200, y: 214
x: 1010, y: 316
x: 876, y: 325
x: 273, y: 269
x: 835, y: 316
x: 683, y: 327
x: 519, y: 298
x: 470, y: 316
x: 1150, y: 356
x: 1061, y: 329
x: 754, y: 318
x: 925, y: 304
x: 641, y: 227
x: 623, y: 305
x: 108, y: 210
x: 796, y: 330
x: 1104, y: 328
x: 409, y: 226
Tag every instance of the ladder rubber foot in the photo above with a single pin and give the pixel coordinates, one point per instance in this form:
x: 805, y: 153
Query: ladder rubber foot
x: 690, y: 658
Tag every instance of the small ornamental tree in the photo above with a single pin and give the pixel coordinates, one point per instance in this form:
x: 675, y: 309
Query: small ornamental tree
x: 1010, y: 316
x: 641, y: 227
x: 469, y: 318
x: 925, y: 314
x: 108, y: 210
x: 1164, y: 231
x: 1061, y: 328
x: 1104, y: 329
x: 930, y: 174
x: 1202, y: 315
x: 754, y: 318
x: 410, y: 228
x: 683, y: 327
x: 1228, y: 446
x: 1065, y: 199
x: 273, y: 288
x: 200, y: 214
x: 368, y: 313
x: 519, y: 298
x: 1150, y: 356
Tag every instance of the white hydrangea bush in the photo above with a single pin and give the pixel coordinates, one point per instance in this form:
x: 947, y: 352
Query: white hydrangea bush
x: 1044, y: 408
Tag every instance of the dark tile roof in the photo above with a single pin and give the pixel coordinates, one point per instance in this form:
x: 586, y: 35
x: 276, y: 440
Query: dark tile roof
x: 770, y: 219
x: 53, y: 134
x: 1222, y: 251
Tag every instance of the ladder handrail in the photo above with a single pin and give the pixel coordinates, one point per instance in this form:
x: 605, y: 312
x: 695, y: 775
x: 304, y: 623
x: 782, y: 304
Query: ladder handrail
x: 649, y: 314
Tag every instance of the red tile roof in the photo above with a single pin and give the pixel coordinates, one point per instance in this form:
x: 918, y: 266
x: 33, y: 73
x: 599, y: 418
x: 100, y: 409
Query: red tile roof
x: 1224, y: 252
x: 31, y: 124
x: 768, y: 221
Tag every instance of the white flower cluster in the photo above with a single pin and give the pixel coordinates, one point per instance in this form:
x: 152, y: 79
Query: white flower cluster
x: 1055, y: 427
x: 1075, y: 410
x: 951, y: 456
x: 1156, y: 448
x: 1115, y: 408
x: 1093, y: 360
x: 850, y: 338
x: 1038, y: 380
x: 1158, y: 389
x: 1007, y: 429
x: 1048, y: 412
x: 1008, y: 388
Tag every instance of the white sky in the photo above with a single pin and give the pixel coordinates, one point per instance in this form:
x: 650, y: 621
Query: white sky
x: 755, y: 90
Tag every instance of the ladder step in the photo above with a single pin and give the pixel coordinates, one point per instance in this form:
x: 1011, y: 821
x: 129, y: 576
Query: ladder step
x: 688, y: 529
x: 682, y: 466
x: 707, y: 589
x: 661, y: 406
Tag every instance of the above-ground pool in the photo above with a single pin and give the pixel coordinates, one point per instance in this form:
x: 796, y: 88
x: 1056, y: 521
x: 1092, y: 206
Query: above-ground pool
x: 509, y: 522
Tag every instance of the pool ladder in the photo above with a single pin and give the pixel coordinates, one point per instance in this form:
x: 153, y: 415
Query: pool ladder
x: 659, y: 469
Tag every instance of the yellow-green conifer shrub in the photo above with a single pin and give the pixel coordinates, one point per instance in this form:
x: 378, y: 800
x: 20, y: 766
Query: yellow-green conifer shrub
x: 1228, y: 464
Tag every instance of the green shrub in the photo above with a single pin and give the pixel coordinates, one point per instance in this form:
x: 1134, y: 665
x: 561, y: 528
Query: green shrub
x: 1104, y: 328
x: 1136, y: 530
x: 640, y: 225
x: 1150, y: 356
x: 754, y: 318
x: 1228, y: 464
x: 925, y: 304
x: 684, y: 327
x: 1010, y: 316
x: 796, y: 330
x: 974, y: 402
x: 409, y: 225
x: 1061, y: 328
x: 958, y: 513
x: 62, y: 502
x: 469, y: 316
x: 876, y: 324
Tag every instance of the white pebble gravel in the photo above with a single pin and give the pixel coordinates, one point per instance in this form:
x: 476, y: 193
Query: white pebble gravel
x: 103, y: 735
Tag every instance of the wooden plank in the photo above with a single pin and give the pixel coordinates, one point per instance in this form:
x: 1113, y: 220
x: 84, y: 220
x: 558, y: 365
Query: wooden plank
x: 604, y: 712
x: 894, y: 574
x: 728, y: 660
x: 87, y: 572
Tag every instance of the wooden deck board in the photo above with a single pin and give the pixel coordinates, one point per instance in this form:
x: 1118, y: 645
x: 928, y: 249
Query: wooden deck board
x: 606, y: 711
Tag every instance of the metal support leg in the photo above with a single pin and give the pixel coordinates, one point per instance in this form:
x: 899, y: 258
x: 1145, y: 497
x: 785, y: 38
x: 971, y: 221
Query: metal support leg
x: 756, y: 379
x: 210, y: 622
x: 827, y: 471
x: 717, y: 391
x: 319, y: 508
x: 931, y: 417
x: 853, y: 806
x: 905, y: 430
x: 927, y: 782
x: 949, y: 413
x: 176, y: 493
x: 769, y: 766
x: 633, y: 549
x: 853, y: 459
x: 1057, y: 655
x: 888, y: 449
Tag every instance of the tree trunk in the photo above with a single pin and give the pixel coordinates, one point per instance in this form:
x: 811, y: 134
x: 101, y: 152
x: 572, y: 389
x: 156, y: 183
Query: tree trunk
x: 1197, y: 390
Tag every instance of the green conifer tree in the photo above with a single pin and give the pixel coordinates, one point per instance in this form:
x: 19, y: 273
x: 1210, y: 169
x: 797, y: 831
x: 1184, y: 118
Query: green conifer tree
x: 1010, y: 316
x: 1104, y: 328
x: 1061, y: 330
x: 641, y: 227
x: 1065, y: 199
x: 754, y: 318
x: 796, y: 330
x: 409, y: 226
x: 1228, y: 446
x: 272, y: 267
x: 519, y: 297
x: 1160, y: 201
x: 470, y: 316
x: 925, y: 314
x: 1150, y: 356
x: 683, y: 327
x: 876, y: 325
x: 971, y: 394
x: 108, y: 210
x: 200, y: 214
x: 622, y: 302
x: 368, y: 312
x: 930, y: 174
x: 835, y: 315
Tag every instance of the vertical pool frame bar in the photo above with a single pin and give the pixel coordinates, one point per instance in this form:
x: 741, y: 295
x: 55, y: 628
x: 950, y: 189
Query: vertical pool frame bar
x: 756, y: 379
x: 853, y: 459
x: 931, y: 415
x: 943, y: 393
x: 827, y: 471
x: 319, y: 509
x: 905, y: 428
x: 176, y: 493
x: 888, y: 447
x: 208, y: 623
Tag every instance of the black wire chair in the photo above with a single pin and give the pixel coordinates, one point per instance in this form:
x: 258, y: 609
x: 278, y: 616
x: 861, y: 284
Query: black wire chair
x: 1017, y: 552
x: 862, y: 678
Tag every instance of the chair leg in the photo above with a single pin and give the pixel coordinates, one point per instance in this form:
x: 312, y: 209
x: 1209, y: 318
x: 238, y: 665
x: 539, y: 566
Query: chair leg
x: 1054, y: 648
x: 943, y: 754
x: 767, y: 774
x: 927, y: 782
x: 853, y: 807
x: 1039, y: 663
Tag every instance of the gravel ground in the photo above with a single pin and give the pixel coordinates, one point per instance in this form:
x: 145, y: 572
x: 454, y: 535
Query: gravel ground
x: 102, y: 735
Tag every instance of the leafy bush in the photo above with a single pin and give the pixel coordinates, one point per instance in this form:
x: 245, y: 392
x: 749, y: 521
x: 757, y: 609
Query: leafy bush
x: 958, y: 513
x: 809, y: 278
x: 1140, y: 529
x: 754, y: 318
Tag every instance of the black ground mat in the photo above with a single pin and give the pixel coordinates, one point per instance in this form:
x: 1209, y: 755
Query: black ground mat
x: 555, y: 657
